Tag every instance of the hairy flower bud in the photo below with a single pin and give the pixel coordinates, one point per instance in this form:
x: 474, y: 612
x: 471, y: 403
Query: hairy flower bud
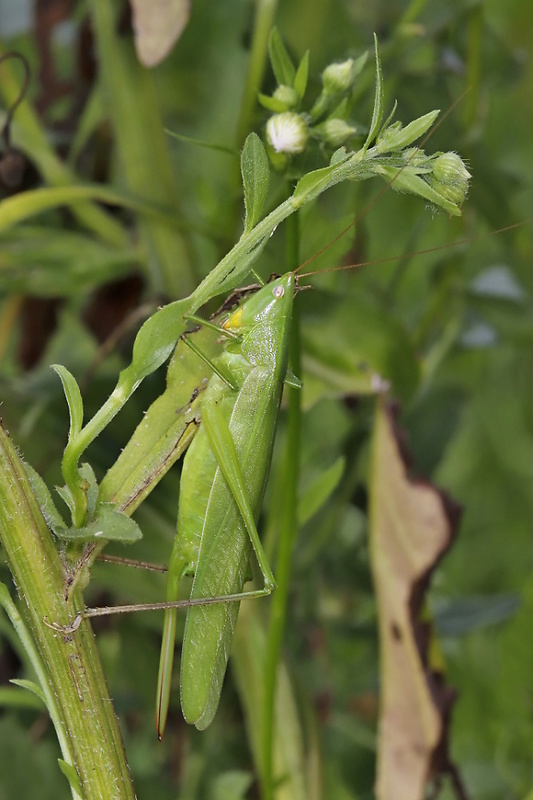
x: 449, y: 168
x: 287, y: 96
x: 338, y: 77
x: 335, y: 132
x: 450, y: 177
x: 287, y: 133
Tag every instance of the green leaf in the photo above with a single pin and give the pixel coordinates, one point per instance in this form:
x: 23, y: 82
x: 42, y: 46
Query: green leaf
x: 281, y: 61
x: 91, y: 488
x: 255, y: 175
x: 31, y: 686
x: 154, y: 342
x: 461, y: 615
x: 405, y: 179
x: 339, y: 156
x: 37, y: 262
x: 312, y: 184
x: 396, y: 137
x: 319, y: 491
x: 389, y: 119
x: 358, y: 64
x: 165, y: 430
x: 272, y: 103
x: 27, y: 204
x: 66, y: 496
x: 74, y: 400
x: 71, y: 775
x: 11, y: 697
x: 377, y: 113
x: 53, y: 518
x: 302, y: 74
x: 109, y: 524
x: 219, y: 148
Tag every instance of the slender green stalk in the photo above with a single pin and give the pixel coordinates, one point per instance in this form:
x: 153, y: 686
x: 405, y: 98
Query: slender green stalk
x: 288, y: 529
x: 473, y: 63
x: 70, y: 671
x: 131, y: 97
x: 263, y: 22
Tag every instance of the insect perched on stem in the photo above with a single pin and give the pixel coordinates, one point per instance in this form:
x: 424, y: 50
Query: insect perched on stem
x: 222, y: 486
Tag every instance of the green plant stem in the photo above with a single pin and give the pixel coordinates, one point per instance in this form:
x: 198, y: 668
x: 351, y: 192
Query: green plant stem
x: 288, y: 530
x: 131, y: 97
x: 265, y: 11
x: 72, y: 679
x: 475, y: 28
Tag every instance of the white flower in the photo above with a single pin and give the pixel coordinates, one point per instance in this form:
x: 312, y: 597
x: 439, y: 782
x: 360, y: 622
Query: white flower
x: 286, y: 132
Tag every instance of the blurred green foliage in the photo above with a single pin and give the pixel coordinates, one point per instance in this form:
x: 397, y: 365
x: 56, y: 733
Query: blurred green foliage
x: 454, y: 325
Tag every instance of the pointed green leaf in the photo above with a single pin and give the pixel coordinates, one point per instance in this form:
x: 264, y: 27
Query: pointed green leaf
x: 312, y: 184
x: 389, y: 119
x: 12, y: 697
x: 359, y: 64
x: 66, y: 496
x: 73, y: 396
x: 154, y: 343
x: 165, y: 430
x: 91, y: 490
x: 396, y: 137
x: 219, y: 148
x: 302, y: 74
x: 281, y: 61
x: 272, y: 103
x: 339, y: 156
x: 255, y: 175
x: 53, y: 518
x: 377, y: 113
x: 31, y: 686
x: 319, y: 491
x: 23, y: 206
x: 406, y: 180
x: 109, y: 524
x: 71, y: 775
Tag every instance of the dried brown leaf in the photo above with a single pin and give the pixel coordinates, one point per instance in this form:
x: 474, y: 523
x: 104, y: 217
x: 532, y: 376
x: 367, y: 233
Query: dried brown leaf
x: 412, y: 525
x: 157, y: 24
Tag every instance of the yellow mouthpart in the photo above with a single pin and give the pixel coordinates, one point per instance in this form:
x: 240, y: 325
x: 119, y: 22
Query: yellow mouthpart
x: 235, y: 321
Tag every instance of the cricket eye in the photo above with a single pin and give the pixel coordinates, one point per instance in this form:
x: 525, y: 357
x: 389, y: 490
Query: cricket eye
x: 278, y: 291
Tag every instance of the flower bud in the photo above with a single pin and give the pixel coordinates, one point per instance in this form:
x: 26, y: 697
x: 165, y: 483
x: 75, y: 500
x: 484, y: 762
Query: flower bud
x: 335, y: 132
x: 286, y: 133
x: 450, y: 177
x: 449, y: 168
x: 287, y: 96
x: 338, y: 77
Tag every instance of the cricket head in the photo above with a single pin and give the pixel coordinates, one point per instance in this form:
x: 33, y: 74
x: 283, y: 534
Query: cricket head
x: 273, y: 300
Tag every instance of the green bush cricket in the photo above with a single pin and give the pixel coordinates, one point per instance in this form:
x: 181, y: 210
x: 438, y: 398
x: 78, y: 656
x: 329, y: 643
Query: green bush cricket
x: 223, y: 480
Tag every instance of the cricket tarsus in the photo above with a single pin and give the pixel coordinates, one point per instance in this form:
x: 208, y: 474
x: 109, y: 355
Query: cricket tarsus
x: 105, y: 611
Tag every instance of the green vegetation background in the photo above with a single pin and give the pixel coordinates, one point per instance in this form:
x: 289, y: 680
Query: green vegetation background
x: 467, y: 317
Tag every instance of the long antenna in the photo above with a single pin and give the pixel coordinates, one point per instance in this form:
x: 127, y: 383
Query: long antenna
x: 437, y: 248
